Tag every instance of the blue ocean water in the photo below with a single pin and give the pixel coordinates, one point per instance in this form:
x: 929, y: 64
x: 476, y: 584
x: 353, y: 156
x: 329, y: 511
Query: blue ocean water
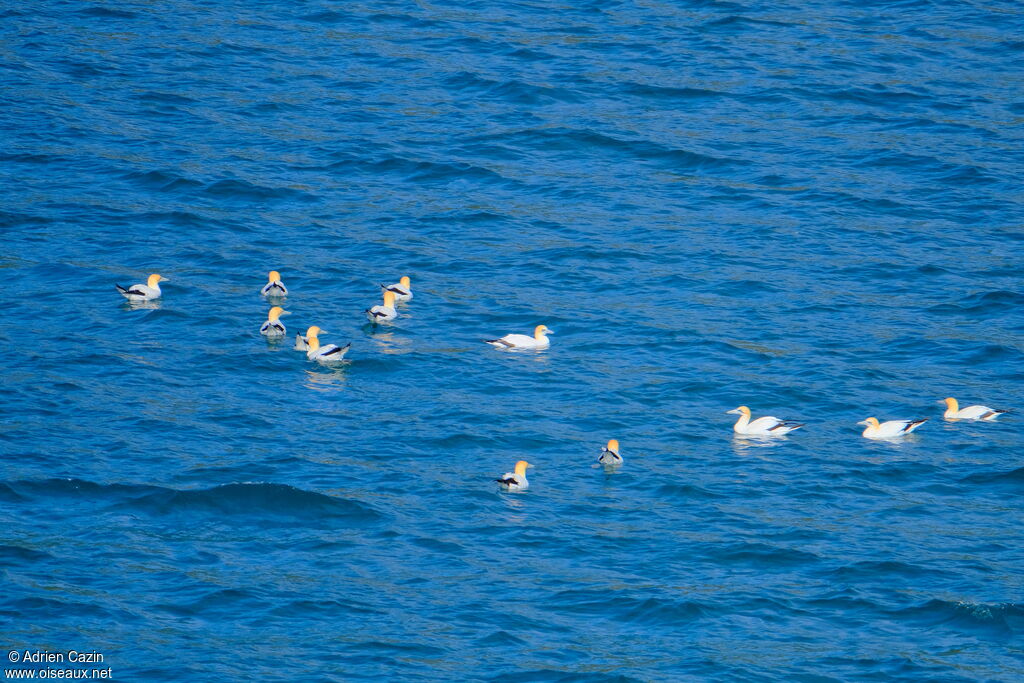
x: 811, y: 208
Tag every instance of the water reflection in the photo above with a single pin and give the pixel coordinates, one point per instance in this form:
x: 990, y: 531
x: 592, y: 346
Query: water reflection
x: 515, y: 506
x: 743, y: 444
x: 328, y: 378
x: 151, y: 305
x: 387, y: 342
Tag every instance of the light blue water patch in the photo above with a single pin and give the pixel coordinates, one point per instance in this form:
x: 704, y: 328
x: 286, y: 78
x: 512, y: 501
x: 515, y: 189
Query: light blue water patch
x: 810, y: 209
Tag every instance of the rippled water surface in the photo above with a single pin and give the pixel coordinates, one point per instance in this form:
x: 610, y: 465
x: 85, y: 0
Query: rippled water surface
x: 813, y: 209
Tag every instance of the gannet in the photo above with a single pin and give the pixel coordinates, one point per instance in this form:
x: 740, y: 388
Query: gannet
x: 150, y: 290
x: 274, y: 286
x: 302, y: 340
x: 539, y: 340
x: 889, y: 430
x: 380, y: 314
x: 955, y: 412
x: 610, y: 454
x: 323, y: 354
x: 762, y: 426
x: 274, y: 327
x: 402, y: 288
x: 516, y: 481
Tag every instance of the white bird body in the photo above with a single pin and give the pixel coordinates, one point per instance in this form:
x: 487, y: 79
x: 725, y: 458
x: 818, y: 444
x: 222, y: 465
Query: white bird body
x: 539, y: 340
x: 893, y: 429
x: 610, y: 455
x: 329, y: 353
x: 516, y: 481
x: 274, y: 327
x: 385, y: 313
x: 955, y: 412
x: 762, y: 426
x: 146, y: 292
x: 402, y: 289
x: 274, y: 286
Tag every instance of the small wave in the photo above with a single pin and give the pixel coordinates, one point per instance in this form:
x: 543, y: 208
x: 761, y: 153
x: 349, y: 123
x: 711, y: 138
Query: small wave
x: 558, y: 676
x: 879, y: 570
x: 422, y: 171
x: 253, y: 500
x: 154, y: 97
x: 17, y: 553
x: 614, y: 605
x: 37, y: 608
x: 998, y: 619
x: 957, y: 174
x: 660, y: 92
x: 328, y: 17
x: 1011, y: 478
x: 256, y: 502
x: 983, y: 304
x: 246, y: 191
x: 737, y: 23
x: 765, y: 556
x: 305, y: 609
x: 585, y: 141
x: 106, y: 13
x: 9, y: 219
x: 162, y: 180
x: 514, y: 91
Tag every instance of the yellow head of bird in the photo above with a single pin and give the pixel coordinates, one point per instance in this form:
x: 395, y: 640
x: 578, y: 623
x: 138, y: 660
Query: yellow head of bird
x: 275, y: 313
x: 312, y: 333
x: 389, y: 299
x: 273, y: 276
x: 521, y: 467
x: 405, y: 281
x: 540, y: 331
x: 870, y: 422
x: 951, y: 404
x: 613, y: 446
x: 154, y: 279
x: 742, y: 410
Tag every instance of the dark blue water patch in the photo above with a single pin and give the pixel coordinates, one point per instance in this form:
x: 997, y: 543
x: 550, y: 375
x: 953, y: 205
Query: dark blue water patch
x: 736, y: 23
x: 17, y: 554
x: 106, y: 12
x: 680, y: 94
x: 244, y: 191
x: 38, y: 607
